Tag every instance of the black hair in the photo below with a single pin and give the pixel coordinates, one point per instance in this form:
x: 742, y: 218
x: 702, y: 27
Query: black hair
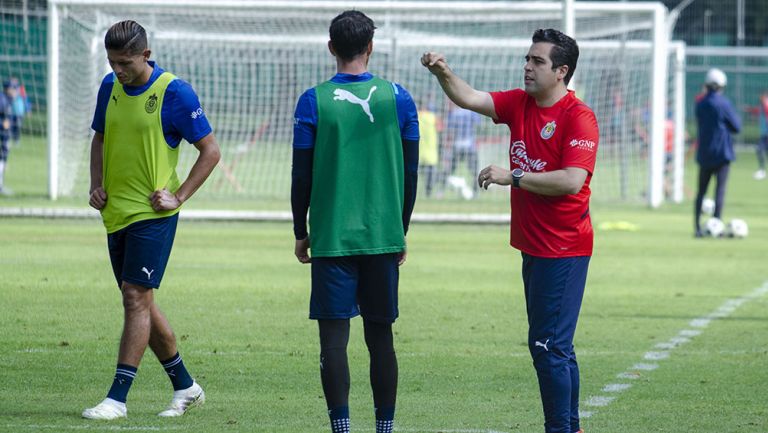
x: 564, y: 52
x: 126, y: 35
x: 351, y: 32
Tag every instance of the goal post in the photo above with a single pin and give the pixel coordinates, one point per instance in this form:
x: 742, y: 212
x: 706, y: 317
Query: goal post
x: 249, y: 60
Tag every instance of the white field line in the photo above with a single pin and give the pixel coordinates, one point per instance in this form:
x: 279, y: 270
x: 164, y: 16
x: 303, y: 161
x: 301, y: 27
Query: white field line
x: 664, y: 350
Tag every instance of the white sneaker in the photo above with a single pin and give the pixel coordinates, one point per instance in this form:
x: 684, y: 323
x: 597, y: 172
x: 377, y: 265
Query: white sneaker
x: 184, y: 400
x: 107, y: 410
x: 759, y: 174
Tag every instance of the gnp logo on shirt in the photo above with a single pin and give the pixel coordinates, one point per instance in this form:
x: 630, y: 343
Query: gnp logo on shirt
x: 548, y: 130
x: 583, y: 144
x: 197, y: 113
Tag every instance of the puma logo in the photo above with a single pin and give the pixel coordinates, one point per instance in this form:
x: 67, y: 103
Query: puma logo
x: 114, y: 98
x: 544, y: 344
x: 345, y: 95
x: 149, y: 273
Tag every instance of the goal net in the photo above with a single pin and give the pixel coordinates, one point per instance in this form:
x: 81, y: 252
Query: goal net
x: 250, y: 60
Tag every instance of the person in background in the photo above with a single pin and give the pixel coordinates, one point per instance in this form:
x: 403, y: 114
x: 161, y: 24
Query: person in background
x: 6, y: 112
x: 20, y: 108
x: 429, y: 144
x: 762, y: 144
x: 460, y: 129
x: 717, y: 122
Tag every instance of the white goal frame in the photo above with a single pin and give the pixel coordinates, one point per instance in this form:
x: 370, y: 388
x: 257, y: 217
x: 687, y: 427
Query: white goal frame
x: 658, y: 80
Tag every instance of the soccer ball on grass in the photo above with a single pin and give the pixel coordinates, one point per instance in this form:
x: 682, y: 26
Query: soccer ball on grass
x: 714, y: 227
x: 737, y: 228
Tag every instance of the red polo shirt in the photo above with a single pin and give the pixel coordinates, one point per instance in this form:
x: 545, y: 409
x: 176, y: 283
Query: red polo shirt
x: 545, y: 139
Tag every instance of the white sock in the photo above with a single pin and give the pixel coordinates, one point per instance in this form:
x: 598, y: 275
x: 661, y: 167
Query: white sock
x: 2, y: 173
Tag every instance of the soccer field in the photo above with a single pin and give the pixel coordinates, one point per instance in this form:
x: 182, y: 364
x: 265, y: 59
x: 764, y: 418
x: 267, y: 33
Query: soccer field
x: 672, y: 335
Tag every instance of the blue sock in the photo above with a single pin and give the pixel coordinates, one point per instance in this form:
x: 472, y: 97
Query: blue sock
x: 339, y: 419
x: 124, y: 375
x: 178, y: 374
x: 385, y: 419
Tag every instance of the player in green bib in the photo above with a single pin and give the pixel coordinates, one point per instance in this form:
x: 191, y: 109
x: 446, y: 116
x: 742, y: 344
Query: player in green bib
x: 142, y: 114
x: 355, y: 164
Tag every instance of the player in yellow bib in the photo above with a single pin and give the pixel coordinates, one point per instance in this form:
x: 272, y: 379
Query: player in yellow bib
x: 142, y: 114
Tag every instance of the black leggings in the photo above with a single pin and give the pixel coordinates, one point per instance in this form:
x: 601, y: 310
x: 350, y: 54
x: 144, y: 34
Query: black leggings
x: 334, y: 367
x: 705, y: 174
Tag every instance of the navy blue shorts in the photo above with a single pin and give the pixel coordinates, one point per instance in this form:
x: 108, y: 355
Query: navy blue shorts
x: 343, y: 287
x: 139, y: 252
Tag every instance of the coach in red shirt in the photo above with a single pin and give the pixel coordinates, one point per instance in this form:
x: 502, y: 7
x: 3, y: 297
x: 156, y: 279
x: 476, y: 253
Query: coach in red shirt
x: 553, y: 145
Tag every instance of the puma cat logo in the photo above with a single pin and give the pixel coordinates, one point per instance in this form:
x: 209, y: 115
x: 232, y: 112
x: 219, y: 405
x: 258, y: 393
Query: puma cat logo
x: 149, y: 273
x: 544, y: 344
x: 114, y: 98
x: 345, y: 95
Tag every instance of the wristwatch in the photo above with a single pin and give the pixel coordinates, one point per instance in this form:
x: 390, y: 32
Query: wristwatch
x: 517, y: 174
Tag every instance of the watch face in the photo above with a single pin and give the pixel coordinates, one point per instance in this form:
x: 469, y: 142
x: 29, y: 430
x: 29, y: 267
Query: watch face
x: 518, y: 172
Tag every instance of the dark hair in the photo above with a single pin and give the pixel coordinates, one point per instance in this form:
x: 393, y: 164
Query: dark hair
x: 351, y: 32
x: 126, y: 35
x: 564, y: 52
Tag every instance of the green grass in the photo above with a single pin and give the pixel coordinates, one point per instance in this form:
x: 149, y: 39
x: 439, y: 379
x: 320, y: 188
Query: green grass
x: 238, y: 302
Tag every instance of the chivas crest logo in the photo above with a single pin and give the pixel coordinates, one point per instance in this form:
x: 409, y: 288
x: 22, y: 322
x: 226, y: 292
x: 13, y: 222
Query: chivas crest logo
x: 548, y: 130
x: 151, y: 105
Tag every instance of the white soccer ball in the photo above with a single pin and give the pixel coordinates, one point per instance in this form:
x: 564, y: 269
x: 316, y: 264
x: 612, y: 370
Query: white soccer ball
x: 714, y: 227
x: 737, y: 228
x: 708, y: 206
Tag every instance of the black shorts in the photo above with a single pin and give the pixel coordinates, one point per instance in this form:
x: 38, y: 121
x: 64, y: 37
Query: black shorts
x: 343, y: 287
x: 139, y: 252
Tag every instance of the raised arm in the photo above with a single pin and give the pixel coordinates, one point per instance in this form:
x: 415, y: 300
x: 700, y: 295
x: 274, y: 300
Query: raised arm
x: 464, y: 95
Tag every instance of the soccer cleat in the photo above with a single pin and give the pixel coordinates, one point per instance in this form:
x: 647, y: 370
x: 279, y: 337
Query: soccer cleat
x: 107, y: 410
x: 183, y: 400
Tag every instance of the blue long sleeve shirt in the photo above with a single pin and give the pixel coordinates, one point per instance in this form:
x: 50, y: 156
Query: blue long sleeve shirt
x: 718, y: 121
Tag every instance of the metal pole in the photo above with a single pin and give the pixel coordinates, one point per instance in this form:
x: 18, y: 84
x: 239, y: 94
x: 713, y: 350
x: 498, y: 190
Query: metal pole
x: 740, y: 36
x: 53, y: 100
x: 679, y: 118
x: 658, y: 108
x: 569, y: 18
x: 569, y: 27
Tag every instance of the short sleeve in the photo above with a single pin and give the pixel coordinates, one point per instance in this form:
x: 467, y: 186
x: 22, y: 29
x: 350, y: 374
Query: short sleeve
x: 102, y: 99
x: 188, y: 119
x: 305, y: 121
x: 406, y: 113
x: 581, y: 140
x: 507, y: 103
